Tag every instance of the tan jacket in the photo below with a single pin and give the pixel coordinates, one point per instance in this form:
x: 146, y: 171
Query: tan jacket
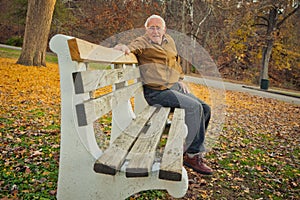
x: 159, y: 64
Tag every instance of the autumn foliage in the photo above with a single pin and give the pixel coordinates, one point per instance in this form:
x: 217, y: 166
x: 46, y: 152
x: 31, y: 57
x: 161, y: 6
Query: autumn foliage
x: 255, y: 157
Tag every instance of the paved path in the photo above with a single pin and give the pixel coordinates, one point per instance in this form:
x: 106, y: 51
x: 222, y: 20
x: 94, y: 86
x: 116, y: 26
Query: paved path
x: 242, y: 88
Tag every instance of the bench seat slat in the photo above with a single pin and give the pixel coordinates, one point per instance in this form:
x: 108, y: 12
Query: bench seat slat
x: 171, y: 164
x: 112, y: 159
x: 91, y: 110
x: 142, y: 154
x: 87, y: 81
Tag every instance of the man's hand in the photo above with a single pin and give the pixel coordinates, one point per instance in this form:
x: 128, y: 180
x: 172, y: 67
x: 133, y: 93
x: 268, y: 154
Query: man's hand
x: 184, y: 86
x: 122, y: 47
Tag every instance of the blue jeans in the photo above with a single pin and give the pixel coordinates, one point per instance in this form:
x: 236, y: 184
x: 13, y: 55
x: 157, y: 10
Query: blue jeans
x: 197, y: 113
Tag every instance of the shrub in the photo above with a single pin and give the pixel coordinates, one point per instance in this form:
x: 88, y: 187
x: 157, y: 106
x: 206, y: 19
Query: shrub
x: 15, y: 41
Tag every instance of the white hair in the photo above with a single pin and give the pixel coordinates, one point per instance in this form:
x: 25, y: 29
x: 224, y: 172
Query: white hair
x: 155, y: 17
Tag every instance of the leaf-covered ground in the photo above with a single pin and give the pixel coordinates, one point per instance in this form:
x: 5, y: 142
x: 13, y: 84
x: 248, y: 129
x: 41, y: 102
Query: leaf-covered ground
x: 256, y: 156
x: 29, y: 130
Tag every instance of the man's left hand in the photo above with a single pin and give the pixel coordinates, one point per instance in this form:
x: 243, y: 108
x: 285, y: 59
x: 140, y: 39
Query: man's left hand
x: 184, y: 86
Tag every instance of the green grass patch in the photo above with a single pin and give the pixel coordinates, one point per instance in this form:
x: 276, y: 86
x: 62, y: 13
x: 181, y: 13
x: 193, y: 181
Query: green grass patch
x: 9, y: 53
x: 53, y: 127
x: 98, y: 66
x: 6, y: 121
x: 37, y: 113
x: 15, y: 54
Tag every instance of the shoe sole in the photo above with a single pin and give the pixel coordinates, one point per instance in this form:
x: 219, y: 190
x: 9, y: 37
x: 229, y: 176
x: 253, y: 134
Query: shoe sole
x: 201, y: 172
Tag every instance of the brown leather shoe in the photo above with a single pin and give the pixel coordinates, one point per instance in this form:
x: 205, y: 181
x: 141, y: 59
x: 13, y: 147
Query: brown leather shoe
x: 197, y: 164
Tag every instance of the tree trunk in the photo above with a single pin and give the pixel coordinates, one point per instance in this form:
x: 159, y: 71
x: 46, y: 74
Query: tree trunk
x: 267, y: 50
x: 184, y: 63
x: 38, y: 23
x: 264, y: 84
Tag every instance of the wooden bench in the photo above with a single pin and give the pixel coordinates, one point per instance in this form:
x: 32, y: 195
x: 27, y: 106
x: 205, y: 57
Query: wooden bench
x: 129, y: 164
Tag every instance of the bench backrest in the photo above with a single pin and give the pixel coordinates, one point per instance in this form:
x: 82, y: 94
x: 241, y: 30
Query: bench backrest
x: 103, y: 80
x: 112, y: 81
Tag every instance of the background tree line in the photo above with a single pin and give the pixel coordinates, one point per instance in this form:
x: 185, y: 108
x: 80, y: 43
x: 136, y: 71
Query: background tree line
x: 250, y: 40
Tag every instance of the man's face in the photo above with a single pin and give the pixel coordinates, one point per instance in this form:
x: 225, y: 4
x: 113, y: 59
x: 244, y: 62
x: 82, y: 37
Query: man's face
x: 155, y: 30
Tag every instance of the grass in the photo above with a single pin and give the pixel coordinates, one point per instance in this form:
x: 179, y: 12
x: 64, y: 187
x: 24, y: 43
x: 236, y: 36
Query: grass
x: 9, y: 53
x: 14, y: 53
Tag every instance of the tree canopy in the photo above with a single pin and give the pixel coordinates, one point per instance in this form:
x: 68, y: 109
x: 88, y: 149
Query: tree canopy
x: 235, y: 32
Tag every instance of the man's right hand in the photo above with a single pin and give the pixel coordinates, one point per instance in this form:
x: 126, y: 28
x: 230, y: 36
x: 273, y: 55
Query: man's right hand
x: 122, y: 47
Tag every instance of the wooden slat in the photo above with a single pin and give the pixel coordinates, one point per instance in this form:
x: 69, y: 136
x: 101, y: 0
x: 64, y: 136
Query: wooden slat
x: 172, y: 160
x: 142, y: 154
x: 112, y: 159
x: 83, y: 51
x: 87, y: 81
x: 91, y: 110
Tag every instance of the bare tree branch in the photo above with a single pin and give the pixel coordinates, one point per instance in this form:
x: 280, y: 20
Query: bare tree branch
x: 260, y: 25
x: 203, y: 20
x: 286, y: 17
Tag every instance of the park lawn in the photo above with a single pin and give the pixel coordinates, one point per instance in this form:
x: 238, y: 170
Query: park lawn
x: 255, y: 157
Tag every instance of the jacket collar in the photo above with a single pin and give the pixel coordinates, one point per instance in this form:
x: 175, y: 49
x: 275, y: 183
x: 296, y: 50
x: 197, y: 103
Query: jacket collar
x: 164, y: 39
